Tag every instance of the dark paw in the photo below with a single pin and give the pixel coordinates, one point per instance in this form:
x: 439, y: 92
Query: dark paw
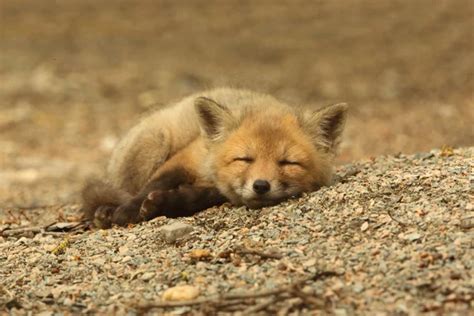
x: 126, y: 214
x: 103, y: 216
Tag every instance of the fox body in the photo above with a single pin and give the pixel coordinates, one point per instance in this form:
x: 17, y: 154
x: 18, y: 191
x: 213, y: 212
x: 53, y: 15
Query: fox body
x: 221, y: 145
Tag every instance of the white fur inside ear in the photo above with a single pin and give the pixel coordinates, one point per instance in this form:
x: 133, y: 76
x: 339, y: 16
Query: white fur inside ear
x: 326, y: 125
x: 214, y: 118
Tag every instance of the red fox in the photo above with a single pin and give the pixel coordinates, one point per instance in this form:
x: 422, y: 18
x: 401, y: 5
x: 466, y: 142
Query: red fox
x: 221, y: 145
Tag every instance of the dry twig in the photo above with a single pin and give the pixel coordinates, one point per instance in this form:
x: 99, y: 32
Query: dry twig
x: 50, y: 229
x: 241, y: 250
x: 22, y: 231
x: 223, y: 300
x: 265, y: 255
x: 394, y: 219
x: 261, y: 306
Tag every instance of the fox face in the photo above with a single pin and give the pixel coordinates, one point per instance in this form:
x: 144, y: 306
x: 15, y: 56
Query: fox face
x: 265, y: 155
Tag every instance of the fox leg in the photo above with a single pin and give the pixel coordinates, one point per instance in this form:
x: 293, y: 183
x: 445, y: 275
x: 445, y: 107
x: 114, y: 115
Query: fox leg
x: 185, y: 200
x: 128, y: 212
x: 172, y: 194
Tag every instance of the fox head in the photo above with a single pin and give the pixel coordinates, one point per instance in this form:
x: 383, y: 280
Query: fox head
x: 265, y: 155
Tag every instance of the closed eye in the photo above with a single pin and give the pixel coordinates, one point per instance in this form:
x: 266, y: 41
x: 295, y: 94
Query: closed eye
x: 244, y: 159
x: 286, y: 162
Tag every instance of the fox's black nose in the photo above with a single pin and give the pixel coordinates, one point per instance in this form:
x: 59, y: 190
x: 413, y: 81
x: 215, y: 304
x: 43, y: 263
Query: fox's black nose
x: 261, y: 186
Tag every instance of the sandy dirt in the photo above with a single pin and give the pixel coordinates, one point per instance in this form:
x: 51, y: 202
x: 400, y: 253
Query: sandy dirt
x: 393, y: 236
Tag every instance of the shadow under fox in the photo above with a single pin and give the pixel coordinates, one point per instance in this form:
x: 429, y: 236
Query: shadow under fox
x: 220, y: 145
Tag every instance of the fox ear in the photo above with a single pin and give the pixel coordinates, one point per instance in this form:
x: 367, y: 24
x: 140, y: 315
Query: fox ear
x: 326, y: 125
x: 215, y: 119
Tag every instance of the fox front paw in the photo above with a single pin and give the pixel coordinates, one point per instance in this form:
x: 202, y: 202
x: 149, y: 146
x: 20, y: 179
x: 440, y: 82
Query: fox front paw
x: 152, y: 206
x: 105, y: 216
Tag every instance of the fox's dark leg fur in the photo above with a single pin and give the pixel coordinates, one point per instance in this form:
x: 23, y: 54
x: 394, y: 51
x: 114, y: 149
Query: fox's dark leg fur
x: 171, y: 194
x: 185, y: 200
x: 129, y: 212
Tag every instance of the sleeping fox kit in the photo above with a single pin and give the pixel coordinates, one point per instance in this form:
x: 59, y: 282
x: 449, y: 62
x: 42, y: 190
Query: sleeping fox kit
x: 221, y: 145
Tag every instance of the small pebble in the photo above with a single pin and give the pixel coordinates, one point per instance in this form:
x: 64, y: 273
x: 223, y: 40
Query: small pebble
x: 181, y: 293
x: 364, y: 226
x: 147, y: 276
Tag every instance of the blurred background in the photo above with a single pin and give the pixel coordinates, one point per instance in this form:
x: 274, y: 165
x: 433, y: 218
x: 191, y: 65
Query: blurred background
x: 76, y: 74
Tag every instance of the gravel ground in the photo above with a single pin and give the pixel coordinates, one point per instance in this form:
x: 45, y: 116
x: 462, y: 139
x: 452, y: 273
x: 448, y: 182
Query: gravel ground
x: 393, y: 236
x: 75, y: 75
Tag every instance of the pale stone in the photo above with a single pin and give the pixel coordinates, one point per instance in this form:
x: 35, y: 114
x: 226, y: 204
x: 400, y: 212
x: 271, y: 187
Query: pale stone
x: 180, y: 293
x: 147, y: 276
x: 200, y: 254
x: 174, y: 231
x: 364, y: 226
